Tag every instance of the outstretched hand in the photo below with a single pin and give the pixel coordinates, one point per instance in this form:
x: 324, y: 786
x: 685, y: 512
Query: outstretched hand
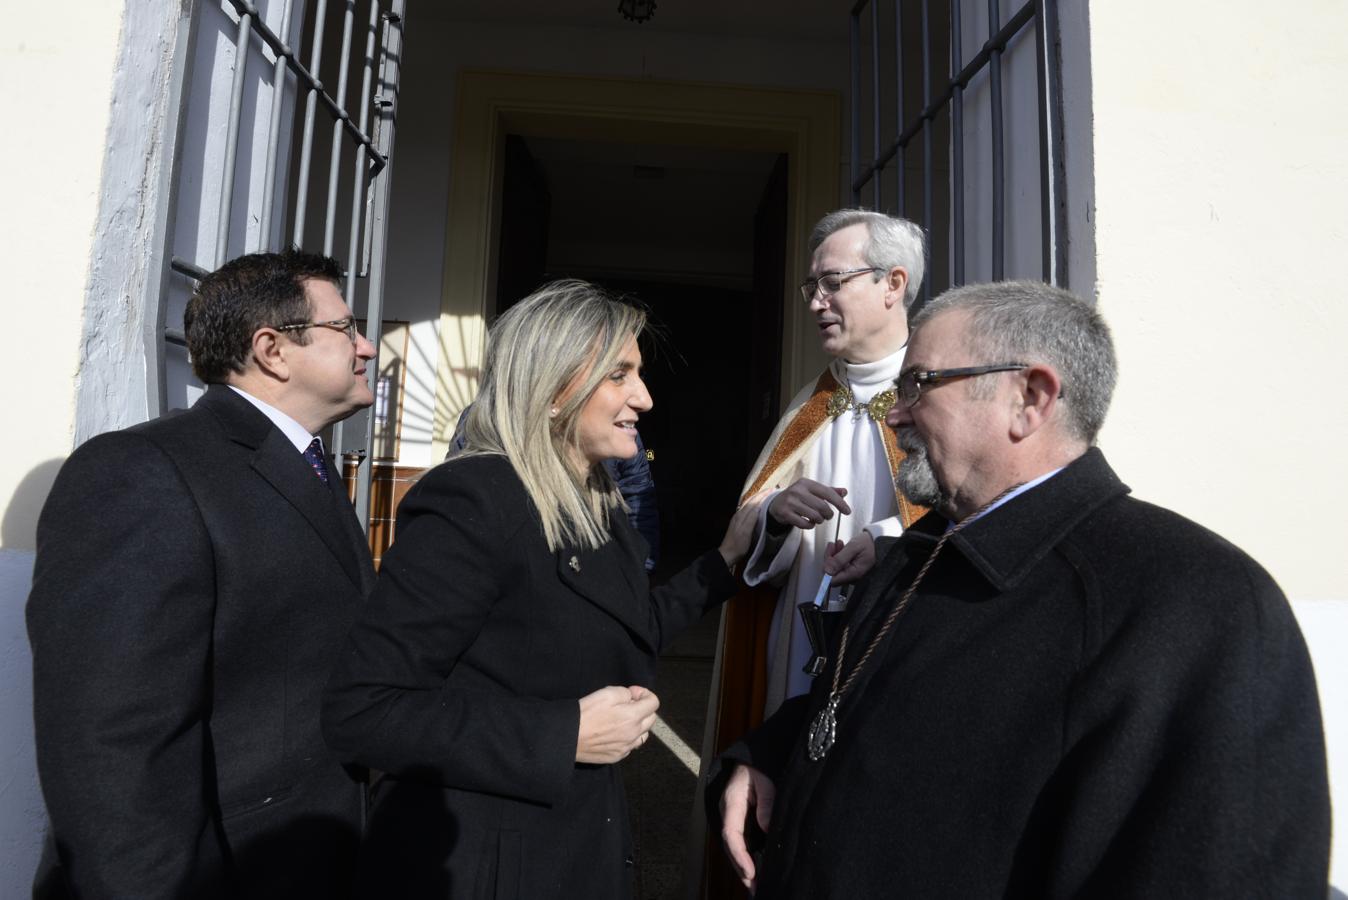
x: 806, y: 503
x: 739, y: 534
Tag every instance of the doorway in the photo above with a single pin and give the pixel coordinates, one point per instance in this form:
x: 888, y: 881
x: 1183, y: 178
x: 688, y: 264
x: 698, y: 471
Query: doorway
x: 801, y: 125
x: 695, y: 235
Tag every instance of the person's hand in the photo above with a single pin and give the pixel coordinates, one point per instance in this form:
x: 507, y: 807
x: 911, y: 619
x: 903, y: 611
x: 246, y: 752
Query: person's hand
x: 806, y: 503
x: 747, y: 790
x: 846, y: 563
x: 739, y: 534
x: 614, y: 721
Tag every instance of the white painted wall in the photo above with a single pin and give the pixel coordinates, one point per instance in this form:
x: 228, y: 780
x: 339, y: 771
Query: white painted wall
x: 115, y: 368
x: 61, y: 67
x: 1220, y: 186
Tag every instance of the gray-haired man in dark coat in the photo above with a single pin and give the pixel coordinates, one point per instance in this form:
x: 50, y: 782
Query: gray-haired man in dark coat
x: 1045, y: 688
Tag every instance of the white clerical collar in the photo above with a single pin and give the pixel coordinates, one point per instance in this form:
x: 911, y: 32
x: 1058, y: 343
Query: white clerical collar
x: 1011, y: 495
x: 868, y: 379
x: 294, y: 431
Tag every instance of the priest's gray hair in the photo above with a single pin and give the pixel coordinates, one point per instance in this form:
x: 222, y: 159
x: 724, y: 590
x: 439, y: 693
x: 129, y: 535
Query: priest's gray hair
x: 551, y: 351
x: 1033, y: 322
x: 893, y: 242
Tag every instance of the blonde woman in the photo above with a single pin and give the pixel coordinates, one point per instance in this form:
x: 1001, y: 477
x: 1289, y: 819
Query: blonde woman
x: 504, y: 661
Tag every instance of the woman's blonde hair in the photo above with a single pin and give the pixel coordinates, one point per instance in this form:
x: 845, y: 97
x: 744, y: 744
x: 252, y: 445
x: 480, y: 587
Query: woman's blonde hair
x: 567, y: 334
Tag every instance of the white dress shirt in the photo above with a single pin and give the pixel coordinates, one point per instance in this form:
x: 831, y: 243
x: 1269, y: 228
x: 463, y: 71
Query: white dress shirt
x: 293, y: 430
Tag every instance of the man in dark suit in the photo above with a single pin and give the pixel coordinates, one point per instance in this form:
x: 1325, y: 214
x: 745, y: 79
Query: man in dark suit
x: 195, y: 577
x: 1045, y: 688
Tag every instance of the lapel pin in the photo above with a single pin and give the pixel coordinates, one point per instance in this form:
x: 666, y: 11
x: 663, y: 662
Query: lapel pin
x: 574, y: 564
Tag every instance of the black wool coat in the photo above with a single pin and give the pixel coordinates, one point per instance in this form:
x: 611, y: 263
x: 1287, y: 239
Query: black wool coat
x: 1088, y: 696
x: 193, y: 584
x: 461, y: 680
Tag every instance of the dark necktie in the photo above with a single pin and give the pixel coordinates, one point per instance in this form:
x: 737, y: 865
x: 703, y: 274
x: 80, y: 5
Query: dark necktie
x: 313, y: 455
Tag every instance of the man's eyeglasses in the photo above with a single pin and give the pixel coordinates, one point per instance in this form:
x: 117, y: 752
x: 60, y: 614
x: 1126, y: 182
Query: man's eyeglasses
x: 348, y: 325
x: 910, y: 382
x: 829, y: 283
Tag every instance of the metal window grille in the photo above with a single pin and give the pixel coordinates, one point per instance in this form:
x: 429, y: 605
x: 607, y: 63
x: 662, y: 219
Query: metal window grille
x: 925, y: 42
x: 256, y: 150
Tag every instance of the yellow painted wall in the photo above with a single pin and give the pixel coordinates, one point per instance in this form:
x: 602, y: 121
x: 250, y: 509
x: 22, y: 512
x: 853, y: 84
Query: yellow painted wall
x: 58, y: 71
x: 1221, y: 185
x: 1221, y: 188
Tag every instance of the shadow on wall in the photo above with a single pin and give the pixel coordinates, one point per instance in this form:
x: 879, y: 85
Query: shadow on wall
x: 22, y: 814
x: 18, y: 531
x: 457, y: 385
x: 422, y: 420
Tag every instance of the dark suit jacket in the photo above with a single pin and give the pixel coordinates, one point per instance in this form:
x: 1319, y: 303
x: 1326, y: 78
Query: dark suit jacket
x: 1088, y: 696
x: 193, y: 583
x: 461, y: 681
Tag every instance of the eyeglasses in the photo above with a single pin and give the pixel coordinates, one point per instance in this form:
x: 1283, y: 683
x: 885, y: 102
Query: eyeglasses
x: 829, y: 283
x: 910, y: 382
x: 348, y: 325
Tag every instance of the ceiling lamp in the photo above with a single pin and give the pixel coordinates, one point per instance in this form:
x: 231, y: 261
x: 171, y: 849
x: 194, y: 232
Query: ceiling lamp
x: 637, y: 10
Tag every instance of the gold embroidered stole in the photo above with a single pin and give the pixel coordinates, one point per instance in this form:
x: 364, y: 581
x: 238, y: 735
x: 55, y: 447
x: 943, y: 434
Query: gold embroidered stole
x: 812, y: 416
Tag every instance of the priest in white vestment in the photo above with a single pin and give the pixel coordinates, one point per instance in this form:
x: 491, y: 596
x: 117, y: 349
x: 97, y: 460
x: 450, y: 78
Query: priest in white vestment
x: 865, y: 272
